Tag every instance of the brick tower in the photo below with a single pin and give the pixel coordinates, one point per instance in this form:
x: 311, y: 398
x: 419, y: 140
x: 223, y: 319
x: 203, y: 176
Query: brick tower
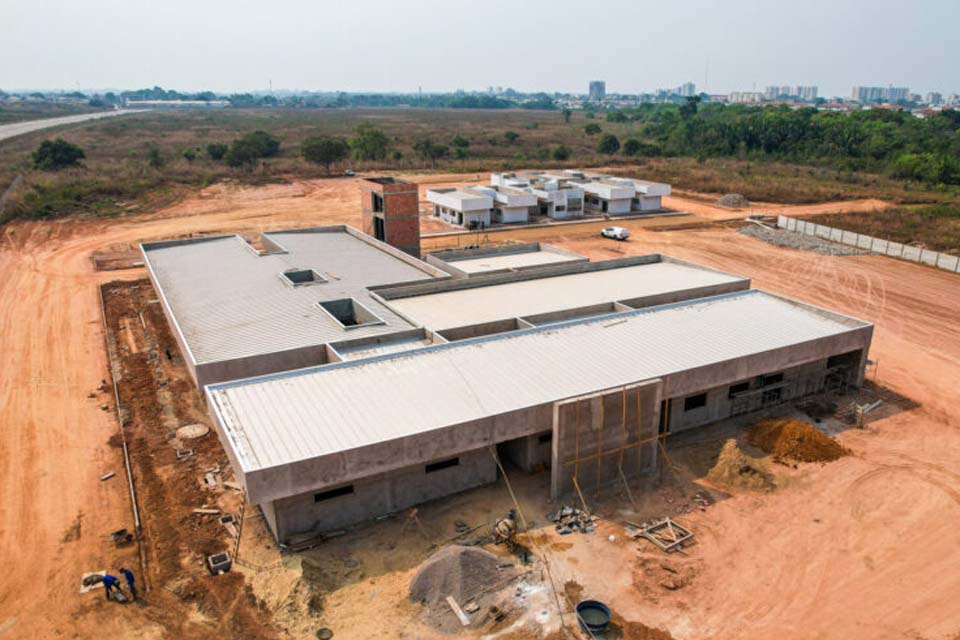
x: 391, y: 212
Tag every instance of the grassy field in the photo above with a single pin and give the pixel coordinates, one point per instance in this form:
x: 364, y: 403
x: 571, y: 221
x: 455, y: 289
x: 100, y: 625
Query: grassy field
x: 933, y: 227
x: 117, y: 177
x: 10, y: 113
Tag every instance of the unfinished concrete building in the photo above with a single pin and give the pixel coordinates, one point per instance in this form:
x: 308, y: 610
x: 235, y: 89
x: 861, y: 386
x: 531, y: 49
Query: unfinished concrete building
x: 347, y: 379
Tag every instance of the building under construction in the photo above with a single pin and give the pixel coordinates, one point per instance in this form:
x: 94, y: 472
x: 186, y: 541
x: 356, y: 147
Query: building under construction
x: 348, y: 379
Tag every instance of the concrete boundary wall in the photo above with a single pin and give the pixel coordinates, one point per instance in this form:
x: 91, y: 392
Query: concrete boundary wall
x: 919, y: 255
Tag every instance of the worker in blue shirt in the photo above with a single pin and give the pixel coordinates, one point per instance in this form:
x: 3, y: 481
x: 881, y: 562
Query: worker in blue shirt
x: 128, y: 575
x: 110, y: 583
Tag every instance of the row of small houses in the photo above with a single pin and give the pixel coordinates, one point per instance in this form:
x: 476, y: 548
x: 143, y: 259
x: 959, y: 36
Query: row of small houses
x: 515, y: 197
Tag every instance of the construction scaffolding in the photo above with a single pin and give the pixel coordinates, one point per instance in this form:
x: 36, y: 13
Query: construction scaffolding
x: 609, y: 437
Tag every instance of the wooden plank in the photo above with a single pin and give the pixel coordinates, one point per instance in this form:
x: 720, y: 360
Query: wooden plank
x: 464, y: 619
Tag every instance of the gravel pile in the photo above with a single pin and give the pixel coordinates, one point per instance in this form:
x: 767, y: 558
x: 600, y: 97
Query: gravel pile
x: 794, y: 240
x: 734, y: 200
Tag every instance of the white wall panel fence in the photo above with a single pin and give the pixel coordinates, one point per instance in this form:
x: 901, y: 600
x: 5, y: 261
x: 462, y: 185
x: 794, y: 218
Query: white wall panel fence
x: 937, y: 259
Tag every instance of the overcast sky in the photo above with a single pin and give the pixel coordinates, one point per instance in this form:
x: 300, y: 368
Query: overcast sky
x: 442, y: 45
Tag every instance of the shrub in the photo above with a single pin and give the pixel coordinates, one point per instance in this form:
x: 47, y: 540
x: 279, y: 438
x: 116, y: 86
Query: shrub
x: 561, y: 153
x: 608, y: 144
x: 511, y: 136
x: 249, y: 148
x: 592, y: 129
x: 52, y: 155
x: 216, y: 150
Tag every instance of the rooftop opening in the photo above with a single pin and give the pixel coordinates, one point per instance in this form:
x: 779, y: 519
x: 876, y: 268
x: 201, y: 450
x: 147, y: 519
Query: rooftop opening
x: 300, y: 277
x: 350, y: 313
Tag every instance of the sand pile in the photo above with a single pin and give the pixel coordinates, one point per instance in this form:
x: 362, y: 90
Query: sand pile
x: 736, y: 469
x: 734, y: 200
x: 468, y: 574
x: 787, y: 439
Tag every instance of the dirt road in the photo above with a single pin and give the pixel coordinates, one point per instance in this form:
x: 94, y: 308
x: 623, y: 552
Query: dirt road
x: 20, y: 128
x: 860, y: 548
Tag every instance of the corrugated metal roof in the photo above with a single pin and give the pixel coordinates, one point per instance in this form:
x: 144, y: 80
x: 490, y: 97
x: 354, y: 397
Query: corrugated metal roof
x: 230, y: 303
x: 440, y: 311
x: 305, y: 414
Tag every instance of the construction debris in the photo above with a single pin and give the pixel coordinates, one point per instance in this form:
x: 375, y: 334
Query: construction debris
x: 207, y: 512
x: 107, y: 475
x: 794, y: 240
x: 667, y: 535
x: 570, y: 519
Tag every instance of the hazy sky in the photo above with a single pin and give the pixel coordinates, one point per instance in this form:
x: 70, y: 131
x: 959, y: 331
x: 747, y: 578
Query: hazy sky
x: 379, y: 45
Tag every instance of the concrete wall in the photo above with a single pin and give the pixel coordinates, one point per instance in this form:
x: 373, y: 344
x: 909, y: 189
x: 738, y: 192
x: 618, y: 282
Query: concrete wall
x: 648, y: 203
x: 259, y: 365
x: 590, y: 434
x: 510, y: 214
x: 720, y: 406
x: 382, y: 494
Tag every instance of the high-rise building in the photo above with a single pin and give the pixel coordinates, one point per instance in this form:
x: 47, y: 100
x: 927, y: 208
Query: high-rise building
x: 880, y: 94
x: 933, y: 98
x: 687, y: 89
x: 807, y: 93
x: 598, y: 89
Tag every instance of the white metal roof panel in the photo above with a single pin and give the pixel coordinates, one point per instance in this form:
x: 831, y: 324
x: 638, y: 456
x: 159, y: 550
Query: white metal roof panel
x: 230, y: 302
x: 512, y: 261
x: 449, y: 309
x: 310, y: 413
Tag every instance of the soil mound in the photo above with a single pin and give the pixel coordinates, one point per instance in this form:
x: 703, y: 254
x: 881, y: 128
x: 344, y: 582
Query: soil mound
x: 736, y: 469
x: 466, y: 573
x: 734, y: 200
x: 787, y: 439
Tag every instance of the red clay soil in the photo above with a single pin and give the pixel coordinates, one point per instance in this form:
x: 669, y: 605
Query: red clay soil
x: 787, y: 439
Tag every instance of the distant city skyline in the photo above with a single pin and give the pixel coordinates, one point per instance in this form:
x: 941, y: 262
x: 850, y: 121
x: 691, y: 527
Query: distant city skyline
x: 380, y: 46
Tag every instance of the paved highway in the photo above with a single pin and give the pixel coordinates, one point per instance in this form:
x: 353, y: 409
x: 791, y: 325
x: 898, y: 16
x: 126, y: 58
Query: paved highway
x: 20, y: 128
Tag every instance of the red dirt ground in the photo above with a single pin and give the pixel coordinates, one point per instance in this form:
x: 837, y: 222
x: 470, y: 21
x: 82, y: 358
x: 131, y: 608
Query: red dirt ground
x: 860, y: 548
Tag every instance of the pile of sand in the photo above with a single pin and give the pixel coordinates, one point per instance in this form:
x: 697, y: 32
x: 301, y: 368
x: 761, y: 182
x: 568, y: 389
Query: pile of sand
x: 787, y: 439
x: 469, y: 574
x: 734, y: 200
x: 736, y: 469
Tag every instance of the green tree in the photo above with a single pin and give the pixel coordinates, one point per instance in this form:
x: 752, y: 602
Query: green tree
x: 216, y: 150
x: 52, y: 155
x: 427, y: 149
x: 245, y: 151
x: 460, y: 142
x: 190, y: 154
x: 325, y: 150
x: 369, y: 142
x: 592, y: 129
x: 608, y: 144
x: 511, y: 136
x: 561, y: 153
x: 460, y: 153
x: 616, y: 116
x: 566, y: 114
x: 689, y: 108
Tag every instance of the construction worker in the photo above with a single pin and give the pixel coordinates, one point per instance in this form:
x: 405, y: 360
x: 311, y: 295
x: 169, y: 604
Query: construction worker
x: 128, y: 575
x: 111, y: 583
